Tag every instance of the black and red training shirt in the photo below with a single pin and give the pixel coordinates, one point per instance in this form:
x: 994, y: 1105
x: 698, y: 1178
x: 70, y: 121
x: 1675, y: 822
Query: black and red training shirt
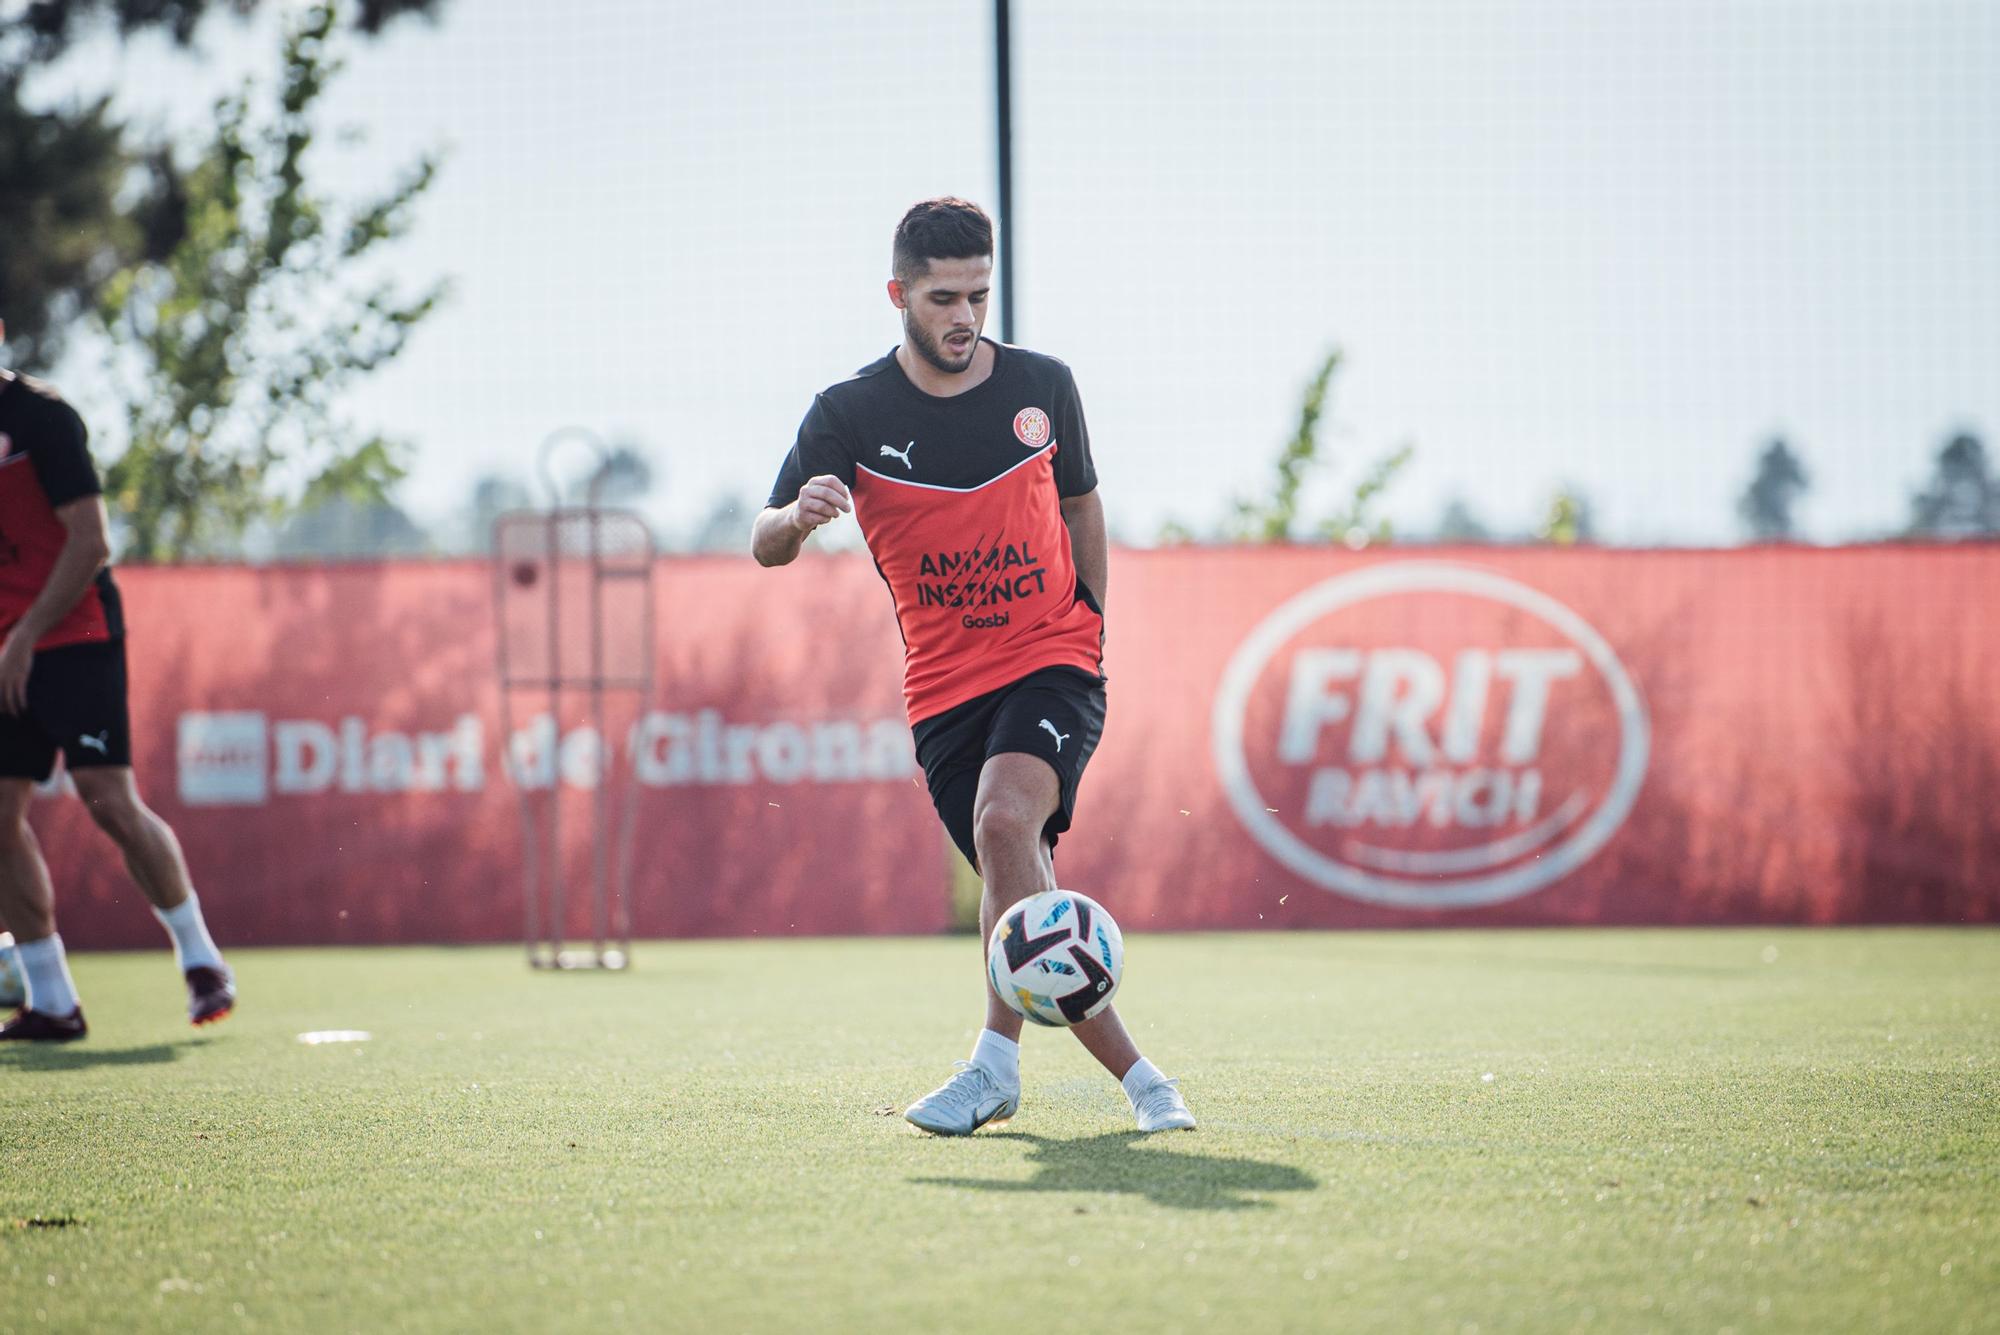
x: 960, y: 502
x: 45, y: 463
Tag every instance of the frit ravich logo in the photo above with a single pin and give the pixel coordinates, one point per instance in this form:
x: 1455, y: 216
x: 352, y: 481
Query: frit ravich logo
x: 1428, y: 735
x: 1031, y: 425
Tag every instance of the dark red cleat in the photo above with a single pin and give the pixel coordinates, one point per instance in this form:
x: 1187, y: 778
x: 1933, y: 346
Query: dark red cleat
x: 211, y: 994
x: 40, y: 1027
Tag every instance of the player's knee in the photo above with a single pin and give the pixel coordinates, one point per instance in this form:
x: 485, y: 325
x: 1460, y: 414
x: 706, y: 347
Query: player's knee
x: 1002, y: 824
x: 17, y: 797
x: 14, y: 831
x: 118, y: 814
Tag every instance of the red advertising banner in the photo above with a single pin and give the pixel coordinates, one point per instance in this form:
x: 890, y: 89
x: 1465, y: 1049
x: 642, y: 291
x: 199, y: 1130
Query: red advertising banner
x: 1306, y: 737
x: 1298, y: 737
x: 327, y: 743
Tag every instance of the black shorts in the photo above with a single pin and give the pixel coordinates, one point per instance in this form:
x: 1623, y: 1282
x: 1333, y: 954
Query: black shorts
x: 1056, y: 713
x: 76, y: 705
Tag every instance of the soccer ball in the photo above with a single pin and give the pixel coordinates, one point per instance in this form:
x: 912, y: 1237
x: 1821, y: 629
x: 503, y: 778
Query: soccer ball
x: 1056, y: 958
x: 13, y: 985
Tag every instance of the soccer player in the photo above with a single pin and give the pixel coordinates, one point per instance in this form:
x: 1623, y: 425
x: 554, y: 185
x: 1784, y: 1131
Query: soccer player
x: 62, y: 688
x: 967, y: 465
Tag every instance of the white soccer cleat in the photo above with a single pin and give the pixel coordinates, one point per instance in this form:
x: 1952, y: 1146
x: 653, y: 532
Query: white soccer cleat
x: 961, y: 1105
x: 1160, y: 1107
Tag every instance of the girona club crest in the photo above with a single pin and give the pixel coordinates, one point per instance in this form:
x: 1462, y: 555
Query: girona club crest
x: 1031, y: 425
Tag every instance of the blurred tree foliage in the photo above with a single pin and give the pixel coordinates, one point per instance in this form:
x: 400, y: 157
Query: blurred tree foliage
x: 63, y: 230
x: 1272, y: 520
x: 49, y: 26
x: 1963, y: 497
x: 1766, y: 505
x: 624, y: 476
x: 1568, y: 520
x: 492, y: 496
x: 230, y: 350
x: 722, y: 528
x: 1356, y: 523
x: 343, y: 528
x: 87, y: 194
x: 1277, y: 519
x: 1460, y: 524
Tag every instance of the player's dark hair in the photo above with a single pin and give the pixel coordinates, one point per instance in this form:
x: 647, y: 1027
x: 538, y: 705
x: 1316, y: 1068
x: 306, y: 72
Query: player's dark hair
x: 940, y: 229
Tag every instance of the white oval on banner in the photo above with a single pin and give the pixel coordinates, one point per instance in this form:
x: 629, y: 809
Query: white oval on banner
x: 1543, y: 852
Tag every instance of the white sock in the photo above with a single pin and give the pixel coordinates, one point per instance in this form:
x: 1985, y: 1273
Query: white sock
x: 193, y: 946
x: 50, y: 988
x: 999, y: 1055
x: 1142, y: 1077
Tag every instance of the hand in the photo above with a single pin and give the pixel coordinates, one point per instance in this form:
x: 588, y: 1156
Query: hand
x: 821, y: 501
x: 17, y: 659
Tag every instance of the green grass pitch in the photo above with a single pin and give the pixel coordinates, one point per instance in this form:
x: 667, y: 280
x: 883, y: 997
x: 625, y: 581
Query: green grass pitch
x: 1574, y: 1130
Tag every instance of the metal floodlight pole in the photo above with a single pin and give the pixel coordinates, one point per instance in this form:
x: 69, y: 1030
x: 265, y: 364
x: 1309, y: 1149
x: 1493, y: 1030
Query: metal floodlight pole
x: 1003, y: 70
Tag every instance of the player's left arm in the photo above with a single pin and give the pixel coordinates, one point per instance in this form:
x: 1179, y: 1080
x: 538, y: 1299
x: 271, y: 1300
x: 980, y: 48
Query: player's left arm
x: 1076, y: 483
x: 1087, y: 542
x: 86, y: 547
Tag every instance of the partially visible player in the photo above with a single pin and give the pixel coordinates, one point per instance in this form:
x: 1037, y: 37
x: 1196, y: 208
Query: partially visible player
x: 967, y: 464
x: 62, y: 689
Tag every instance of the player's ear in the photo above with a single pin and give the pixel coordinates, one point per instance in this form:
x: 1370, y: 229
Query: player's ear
x: 897, y: 297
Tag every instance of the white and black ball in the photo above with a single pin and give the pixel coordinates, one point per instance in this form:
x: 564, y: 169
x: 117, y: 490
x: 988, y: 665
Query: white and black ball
x: 1056, y: 958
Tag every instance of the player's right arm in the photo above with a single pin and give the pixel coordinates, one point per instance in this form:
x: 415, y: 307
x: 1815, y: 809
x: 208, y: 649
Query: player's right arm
x: 811, y: 489
x: 781, y: 530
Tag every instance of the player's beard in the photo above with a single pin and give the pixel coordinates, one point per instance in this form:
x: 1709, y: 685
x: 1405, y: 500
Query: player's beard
x: 933, y: 352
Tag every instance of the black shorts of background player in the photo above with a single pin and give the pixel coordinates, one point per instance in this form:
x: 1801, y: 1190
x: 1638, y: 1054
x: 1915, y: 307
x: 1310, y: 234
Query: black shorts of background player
x: 63, y: 692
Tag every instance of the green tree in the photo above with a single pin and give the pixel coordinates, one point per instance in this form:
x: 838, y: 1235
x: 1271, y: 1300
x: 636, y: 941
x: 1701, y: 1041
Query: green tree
x: 86, y: 195
x: 492, y: 496
x: 231, y: 351
x: 63, y: 231
x: 723, y: 528
x: 343, y: 528
x: 624, y: 476
x: 1460, y: 524
x: 1276, y: 519
x: 45, y: 28
x: 1568, y: 520
x: 1356, y: 523
x: 1766, y: 504
x: 1963, y: 498
x: 1272, y: 520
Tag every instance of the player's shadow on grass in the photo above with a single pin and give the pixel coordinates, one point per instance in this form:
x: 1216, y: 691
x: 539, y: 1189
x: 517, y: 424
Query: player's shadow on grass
x: 1112, y: 1164
x: 76, y: 1056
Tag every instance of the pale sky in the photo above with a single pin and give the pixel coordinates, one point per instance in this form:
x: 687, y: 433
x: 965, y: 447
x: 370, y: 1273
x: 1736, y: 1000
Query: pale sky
x: 1615, y: 243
